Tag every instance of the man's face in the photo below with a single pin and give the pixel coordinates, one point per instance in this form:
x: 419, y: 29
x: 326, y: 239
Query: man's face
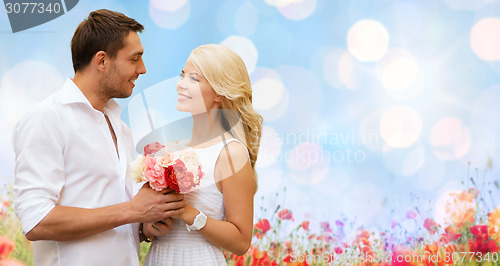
x: 119, y: 78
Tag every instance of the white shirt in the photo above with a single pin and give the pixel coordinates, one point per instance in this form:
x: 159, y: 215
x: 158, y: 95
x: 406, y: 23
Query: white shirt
x: 65, y: 155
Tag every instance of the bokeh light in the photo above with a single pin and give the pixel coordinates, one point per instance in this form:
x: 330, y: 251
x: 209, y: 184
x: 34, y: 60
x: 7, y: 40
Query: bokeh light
x: 368, y: 40
x: 246, y: 19
x: 245, y: 49
x: 400, y: 126
x: 331, y: 67
x: 397, y: 71
x: 308, y: 163
x: 404, y: 162
x: 305, y: 101
x: 44, y: 80
x: 169, y: 14
x: 168, y: 5
x: 369, y: 126
x: 294, y: 9
x: 347, y: 71
x: 264, y: 97
x: 267, y: 92
x: 270, y: 148
x: 467, y: 5
x: 485, y: 39
x: 451, y: 140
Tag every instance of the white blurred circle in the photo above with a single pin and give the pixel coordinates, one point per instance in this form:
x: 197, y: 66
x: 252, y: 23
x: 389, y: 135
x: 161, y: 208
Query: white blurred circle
x: 467, y: 5
x: 169, y: 17
x: 397, y: 71
x: 308, y: 163
x: 246, y: 18
x: 485, y: 39
x: 347, y: 71
x: 400, y: 126
x: 168, y: 5
x: 270, y: 147
x: 304, y: 156
x: 331, y: 67
x: 368, y: 40
x: 369, y: 127
x: 450, y: 139
x: 19, y: 92
x: 297, y: 9
x: 267, y: 92
x: 245, y: 48
x: 270, y: 101
x: 404, y: 162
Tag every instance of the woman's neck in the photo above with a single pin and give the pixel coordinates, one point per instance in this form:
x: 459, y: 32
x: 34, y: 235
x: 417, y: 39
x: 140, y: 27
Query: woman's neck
x: 207, y: 126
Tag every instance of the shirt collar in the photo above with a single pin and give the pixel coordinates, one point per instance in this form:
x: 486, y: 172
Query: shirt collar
x: 70, y: 93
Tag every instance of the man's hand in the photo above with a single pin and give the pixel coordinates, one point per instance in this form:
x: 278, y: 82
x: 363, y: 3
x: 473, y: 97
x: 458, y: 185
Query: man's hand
x: 159, y: 228
x: 150, y: 206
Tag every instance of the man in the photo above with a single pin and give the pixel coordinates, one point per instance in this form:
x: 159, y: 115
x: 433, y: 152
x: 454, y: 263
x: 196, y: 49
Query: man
x: 72, y: 194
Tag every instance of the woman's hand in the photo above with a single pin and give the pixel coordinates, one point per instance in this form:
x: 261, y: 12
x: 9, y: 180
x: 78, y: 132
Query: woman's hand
x: 159, y: 228
x: 188, y: 215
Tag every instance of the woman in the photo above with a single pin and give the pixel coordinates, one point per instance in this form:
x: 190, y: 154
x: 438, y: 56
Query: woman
x: 215, y: 88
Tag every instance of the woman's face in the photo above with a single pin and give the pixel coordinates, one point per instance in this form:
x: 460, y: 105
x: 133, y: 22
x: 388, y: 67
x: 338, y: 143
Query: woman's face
x: 195, y: 95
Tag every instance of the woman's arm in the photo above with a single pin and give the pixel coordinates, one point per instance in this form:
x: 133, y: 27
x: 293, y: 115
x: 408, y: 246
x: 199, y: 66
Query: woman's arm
x: 236, y: 181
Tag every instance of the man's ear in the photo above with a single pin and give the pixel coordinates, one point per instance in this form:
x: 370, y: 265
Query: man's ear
x: 100, y: 60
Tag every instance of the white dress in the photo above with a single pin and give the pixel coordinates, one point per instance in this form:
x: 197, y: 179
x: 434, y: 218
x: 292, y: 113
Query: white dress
x: 182, y: 247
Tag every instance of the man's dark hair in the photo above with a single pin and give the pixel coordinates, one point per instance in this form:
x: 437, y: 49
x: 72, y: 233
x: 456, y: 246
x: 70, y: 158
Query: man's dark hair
x: 104, y: 30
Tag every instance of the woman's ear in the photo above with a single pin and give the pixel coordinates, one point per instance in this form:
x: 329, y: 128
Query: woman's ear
x: 218, y: 99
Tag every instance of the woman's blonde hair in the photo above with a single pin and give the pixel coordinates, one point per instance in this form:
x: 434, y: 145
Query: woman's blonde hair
x: 228, y: 76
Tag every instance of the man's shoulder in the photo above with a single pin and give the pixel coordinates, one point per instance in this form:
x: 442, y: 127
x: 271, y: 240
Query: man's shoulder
x: 46, y: 109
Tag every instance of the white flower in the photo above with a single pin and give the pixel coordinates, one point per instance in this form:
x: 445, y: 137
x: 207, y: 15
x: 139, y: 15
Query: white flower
x: 136, y: 167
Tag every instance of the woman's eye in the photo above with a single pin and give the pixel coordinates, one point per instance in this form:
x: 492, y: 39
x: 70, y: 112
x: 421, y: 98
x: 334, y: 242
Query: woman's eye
x: 194, y: 79
x: 181, y: 75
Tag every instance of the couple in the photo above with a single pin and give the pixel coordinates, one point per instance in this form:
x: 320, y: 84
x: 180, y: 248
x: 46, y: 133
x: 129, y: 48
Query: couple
x: 72, y: 194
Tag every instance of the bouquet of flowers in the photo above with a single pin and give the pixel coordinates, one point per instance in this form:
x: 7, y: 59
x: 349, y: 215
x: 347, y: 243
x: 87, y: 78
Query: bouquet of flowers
x: 167, y: 166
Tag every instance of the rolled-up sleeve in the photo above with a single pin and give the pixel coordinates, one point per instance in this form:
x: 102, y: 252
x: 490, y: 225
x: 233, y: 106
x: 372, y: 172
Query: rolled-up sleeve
x: 38, y: 143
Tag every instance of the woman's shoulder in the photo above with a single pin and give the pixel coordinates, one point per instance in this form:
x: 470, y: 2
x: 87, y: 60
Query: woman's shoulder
x: 235, y: 153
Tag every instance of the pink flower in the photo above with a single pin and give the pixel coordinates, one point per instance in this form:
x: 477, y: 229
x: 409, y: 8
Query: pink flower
x: 339, y: 223
x: 338, y: 250
x: 154, y: 173
x: 305, y: 225
x: 430, y: 225
x: 285, y: 214
x: 393, y: 224
x: 152, y: 148
x: 411, y: 214
x: 325, y: 226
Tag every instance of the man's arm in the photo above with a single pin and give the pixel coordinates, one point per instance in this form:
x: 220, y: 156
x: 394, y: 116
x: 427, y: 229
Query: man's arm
x: 70, y: 223
x: 39, y: 144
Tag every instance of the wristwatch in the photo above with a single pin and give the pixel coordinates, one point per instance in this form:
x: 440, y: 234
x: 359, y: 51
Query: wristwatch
x: 199, y: 222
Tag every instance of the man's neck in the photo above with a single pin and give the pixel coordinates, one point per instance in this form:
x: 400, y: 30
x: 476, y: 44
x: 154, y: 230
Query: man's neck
x: 89, y: 87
